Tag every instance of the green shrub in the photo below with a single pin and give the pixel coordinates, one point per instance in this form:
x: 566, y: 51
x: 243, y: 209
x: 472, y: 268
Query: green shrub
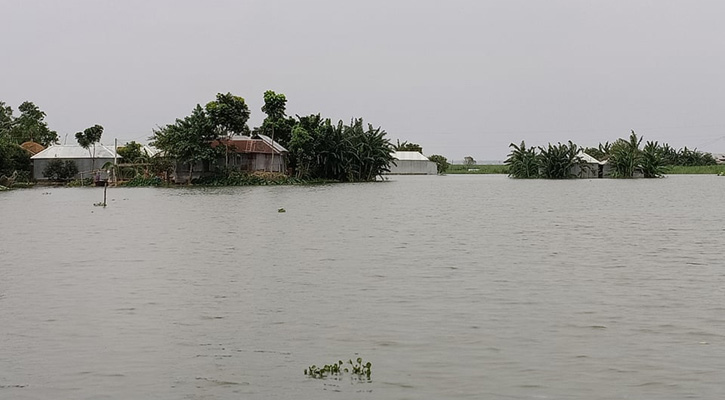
x: 60, y: 171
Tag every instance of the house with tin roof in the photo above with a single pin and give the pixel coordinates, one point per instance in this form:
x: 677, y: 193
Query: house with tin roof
x: 411, y: 163
x: 89, y: 161
x: 241, y: 153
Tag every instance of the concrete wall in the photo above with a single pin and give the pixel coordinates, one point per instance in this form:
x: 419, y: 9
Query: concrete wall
x: 413, y: 167
x: 85, y: 167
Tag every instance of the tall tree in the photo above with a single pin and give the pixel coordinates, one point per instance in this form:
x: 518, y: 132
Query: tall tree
x: 88, y: 139
x: 188, y: 140
x: 277, y: 124
x: 6, y: 120
x: 229, y: 115
x: 31, y: 125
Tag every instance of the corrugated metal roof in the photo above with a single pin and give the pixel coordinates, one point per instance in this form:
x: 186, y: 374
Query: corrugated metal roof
x: 74, y: 151
x: 409, y: 155
x: 259, y: 144
x: 589, y: 159
x: 272, y: 143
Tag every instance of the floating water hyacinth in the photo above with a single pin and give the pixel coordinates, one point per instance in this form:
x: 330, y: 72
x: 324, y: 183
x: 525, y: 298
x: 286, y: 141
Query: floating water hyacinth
x: 357, y: 369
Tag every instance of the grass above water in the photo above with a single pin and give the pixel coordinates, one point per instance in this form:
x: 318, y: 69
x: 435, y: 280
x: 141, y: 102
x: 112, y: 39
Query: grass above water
x: 704, y: 169
x: 478, y: 169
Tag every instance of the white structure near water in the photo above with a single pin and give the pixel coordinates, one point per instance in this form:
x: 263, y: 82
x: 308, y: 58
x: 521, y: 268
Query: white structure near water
x: 412, y: 163
x: 87, y: 160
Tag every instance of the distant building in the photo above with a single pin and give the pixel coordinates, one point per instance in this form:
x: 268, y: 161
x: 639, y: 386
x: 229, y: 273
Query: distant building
x: 593, y: 168
x: 246, y: 153
x: 412, y: 163
x: 86, y: 164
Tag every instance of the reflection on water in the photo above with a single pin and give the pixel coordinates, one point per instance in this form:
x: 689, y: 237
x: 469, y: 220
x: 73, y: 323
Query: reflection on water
x: 454, y: 287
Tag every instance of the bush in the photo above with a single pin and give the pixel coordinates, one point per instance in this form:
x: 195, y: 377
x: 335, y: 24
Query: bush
x: 60, y: 171
x: 441, y: 163
x: 140, y: 181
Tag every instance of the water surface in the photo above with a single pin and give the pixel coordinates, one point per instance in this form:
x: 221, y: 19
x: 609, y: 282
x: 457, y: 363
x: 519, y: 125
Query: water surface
x: 461, y: 287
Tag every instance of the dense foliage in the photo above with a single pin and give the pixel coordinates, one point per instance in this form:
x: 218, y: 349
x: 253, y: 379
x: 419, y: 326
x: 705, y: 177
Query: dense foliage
x: 320, y: 149
x: 559, y: 161
x: 442, y: 163
x: 60, y: 171
x: 669, y: 156
x: 522, y: 162
x: 30, y: 125
x: 188, y: 140
x: 13, y: 158
x: 405, y: 146
x: 277, y: 124
x: 625, y: 159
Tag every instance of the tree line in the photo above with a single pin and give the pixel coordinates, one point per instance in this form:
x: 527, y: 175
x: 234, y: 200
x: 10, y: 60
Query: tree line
x: 318, y: 148
x: 626, y: 158
x: 30, y: 126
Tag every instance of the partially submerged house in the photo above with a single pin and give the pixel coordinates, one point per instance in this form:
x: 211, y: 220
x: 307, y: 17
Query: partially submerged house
x: 412, y: 163
x: 241, y: 153
x: 593, y: 168
x: 89, y: 161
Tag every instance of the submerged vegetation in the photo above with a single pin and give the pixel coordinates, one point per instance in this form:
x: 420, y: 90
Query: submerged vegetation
x: 357, y: 369
x: 624, y: 158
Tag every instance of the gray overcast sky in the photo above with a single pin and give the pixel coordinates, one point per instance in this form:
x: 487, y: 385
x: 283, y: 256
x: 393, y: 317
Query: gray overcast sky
x: 460, y: 77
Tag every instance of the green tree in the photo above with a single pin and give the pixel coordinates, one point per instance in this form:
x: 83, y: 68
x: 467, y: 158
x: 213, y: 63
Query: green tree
x: 626, y: 157
x: 601, y: 153
x: 13, y: 158
x: 229, y: 115
x: 6, y: 120
x: 441, y: 163
x: 405, y: 146
x: 60, y: 170
x: 347, y: 153
x: 558, y: 161
x: 469, y: 161
x: 652, y: 162
x: 88, y: 139
x: 31, y: 125
x: 522, y: 161
x: 188, y: 140
x: 277, y: 124
x: 132, y: 152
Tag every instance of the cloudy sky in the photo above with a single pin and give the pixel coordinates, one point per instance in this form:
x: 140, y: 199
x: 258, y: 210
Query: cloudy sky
x: 460, y: 77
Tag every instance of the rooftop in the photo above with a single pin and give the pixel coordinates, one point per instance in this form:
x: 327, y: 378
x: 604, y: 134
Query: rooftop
x: 75, y: 151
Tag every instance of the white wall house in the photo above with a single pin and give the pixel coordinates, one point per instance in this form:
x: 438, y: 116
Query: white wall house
x: 412, y: 163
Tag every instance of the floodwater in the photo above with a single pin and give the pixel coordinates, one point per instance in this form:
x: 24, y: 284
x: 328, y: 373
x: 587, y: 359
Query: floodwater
x: 456, y: 287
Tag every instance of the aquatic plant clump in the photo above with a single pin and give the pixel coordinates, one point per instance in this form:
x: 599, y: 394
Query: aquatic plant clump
x: 357, y: 369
